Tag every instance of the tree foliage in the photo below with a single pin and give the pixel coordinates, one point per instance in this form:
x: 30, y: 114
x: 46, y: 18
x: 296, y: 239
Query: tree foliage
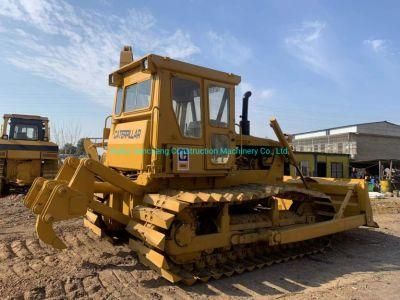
x: 80, y: 150
x: 69, y: 149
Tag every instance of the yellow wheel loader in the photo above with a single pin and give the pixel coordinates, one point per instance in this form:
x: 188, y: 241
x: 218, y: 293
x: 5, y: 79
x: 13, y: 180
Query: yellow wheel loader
x: 25, y: 152
x: 197, y: 198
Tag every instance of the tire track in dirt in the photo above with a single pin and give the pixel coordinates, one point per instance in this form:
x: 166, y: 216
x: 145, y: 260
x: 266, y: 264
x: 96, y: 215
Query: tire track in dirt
x: 55, y: 290
x: 74, y: 288
x: 94, y: 288
x: 5, y: 251
x: 109, y: 281
x: 35, y: 248
x: 19, y: 249
x: 93, y: 268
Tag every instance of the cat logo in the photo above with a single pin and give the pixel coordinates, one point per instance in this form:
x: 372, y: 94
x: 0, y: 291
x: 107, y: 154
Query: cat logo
x: 127, y: 134
x: 183, y: 159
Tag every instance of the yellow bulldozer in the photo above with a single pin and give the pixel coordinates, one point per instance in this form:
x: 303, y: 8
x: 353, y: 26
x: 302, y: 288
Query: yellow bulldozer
x: 25, y: 152
x: 197, y: 198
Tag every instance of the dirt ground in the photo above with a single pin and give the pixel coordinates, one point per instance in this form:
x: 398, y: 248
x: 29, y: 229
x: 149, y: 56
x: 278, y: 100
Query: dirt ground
x: 362, y: 264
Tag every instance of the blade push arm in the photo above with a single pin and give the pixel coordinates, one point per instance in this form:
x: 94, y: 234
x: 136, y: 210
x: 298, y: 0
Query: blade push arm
x: 281, y: 137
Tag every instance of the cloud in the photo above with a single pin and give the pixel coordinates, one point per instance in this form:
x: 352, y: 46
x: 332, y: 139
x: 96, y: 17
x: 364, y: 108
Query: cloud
x: 228, y: 48
x: 377, y: 45
x: 179, y: 45
x: 257, y: 93
x: 306, y: 44
x: 259, y: 106
x: 78, y: 48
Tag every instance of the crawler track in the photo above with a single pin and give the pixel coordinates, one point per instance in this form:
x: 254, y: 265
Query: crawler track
x: 164, y: 228
x: 237, y: 261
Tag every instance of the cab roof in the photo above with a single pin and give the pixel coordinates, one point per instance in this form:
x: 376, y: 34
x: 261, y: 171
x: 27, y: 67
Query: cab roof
x: 26, y: 117
x: 152, y: 63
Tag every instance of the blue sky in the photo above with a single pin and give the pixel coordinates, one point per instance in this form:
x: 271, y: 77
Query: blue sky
x: 312, y: 64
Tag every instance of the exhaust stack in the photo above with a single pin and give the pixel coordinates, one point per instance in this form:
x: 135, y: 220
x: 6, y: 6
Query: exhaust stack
x: 126, y: 56
x: 245, y: 123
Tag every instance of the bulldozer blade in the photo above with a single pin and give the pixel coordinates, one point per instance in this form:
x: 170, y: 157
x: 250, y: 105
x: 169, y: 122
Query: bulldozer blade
x: 34, y: 191
x: 46, y: 233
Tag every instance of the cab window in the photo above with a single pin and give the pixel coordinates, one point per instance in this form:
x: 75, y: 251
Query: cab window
x: 25, y: 132
x: 137, y: 96
x: 221, y: 143
x: 118, y: 102
x: 218, y: 98
x: 186, y: 103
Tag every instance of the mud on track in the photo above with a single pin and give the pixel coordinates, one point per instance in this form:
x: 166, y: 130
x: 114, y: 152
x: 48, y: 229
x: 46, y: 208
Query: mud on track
x: 362, y: 264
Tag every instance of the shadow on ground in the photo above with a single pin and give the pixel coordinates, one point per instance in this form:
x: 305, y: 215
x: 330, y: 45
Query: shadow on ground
x: 360, y: 250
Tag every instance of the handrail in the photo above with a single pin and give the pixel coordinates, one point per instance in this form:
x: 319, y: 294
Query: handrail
x: 105, y: 126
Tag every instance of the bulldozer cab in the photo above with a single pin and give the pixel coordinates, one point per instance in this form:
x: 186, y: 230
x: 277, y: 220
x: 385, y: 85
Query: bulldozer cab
x: 25, y: 127
x: 171, y: 117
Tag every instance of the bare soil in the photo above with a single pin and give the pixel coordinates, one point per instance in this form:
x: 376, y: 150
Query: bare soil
x: 362, y: 264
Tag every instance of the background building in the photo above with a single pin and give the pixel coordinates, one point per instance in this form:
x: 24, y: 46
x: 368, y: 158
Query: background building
x: 321, y: 165
x: 363, y: 142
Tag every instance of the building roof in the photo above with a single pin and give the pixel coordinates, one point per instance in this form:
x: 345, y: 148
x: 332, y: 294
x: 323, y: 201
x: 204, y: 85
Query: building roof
x: 320, y: 153
x: 345, y: 126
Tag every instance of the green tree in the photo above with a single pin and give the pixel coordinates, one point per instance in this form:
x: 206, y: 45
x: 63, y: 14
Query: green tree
x: 80, y: 150
x: 69, y: 149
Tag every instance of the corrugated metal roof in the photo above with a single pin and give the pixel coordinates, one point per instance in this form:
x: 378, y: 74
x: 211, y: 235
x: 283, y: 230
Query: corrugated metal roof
x: 345, y: 126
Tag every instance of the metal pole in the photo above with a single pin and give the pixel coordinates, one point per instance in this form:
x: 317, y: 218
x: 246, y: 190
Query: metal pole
x: 284, y: 143
x: 379, y: 167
